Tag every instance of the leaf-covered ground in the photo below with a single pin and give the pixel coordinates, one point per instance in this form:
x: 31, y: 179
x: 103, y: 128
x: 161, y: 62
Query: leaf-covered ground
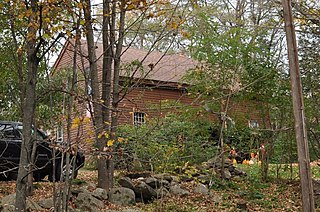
x: 239, y: 194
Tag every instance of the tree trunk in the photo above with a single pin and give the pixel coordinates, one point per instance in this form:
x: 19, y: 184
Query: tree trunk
x: 97, y: 109
x: 116, y: 88
x: 108, y: 56
x: 298, y: 111
x: 31, y: 169
x: 28, y: 117
x: 29, y: 104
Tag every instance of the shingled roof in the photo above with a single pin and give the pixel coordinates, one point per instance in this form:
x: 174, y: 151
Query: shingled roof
x: 157, y: 66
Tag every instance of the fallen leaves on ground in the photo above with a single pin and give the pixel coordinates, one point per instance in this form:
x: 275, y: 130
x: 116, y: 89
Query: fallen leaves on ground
x: 236, y: 195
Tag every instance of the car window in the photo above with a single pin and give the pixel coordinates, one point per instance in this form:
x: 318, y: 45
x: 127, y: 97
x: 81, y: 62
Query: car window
x: 40, y: 135
x: 8, y: 132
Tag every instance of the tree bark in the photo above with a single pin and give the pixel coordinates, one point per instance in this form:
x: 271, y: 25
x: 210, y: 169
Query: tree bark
x: 97, y: 109
x: 29, y: 104
x: 108, y: 56
x: 298, y: 111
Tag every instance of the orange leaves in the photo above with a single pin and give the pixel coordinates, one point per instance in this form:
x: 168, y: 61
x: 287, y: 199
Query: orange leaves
x: 49, y: 17
x: 120, y: 140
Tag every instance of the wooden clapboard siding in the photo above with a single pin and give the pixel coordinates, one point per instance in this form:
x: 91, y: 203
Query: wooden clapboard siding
x: 150, y: 95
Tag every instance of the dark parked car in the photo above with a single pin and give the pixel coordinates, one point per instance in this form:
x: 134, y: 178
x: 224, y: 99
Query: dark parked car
x: 10, y: 146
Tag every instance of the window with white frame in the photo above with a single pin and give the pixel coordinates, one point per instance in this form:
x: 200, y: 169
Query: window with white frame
x: 59, y: 133
x: 253, y: 124
x: 139, y: 118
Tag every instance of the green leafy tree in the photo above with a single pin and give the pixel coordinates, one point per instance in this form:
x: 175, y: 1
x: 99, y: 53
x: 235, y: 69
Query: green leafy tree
x: 239, y: 46
x: 308, y: 14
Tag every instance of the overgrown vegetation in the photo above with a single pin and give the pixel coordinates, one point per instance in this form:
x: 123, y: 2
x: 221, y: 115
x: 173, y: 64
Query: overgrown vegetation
x: 164, y: 144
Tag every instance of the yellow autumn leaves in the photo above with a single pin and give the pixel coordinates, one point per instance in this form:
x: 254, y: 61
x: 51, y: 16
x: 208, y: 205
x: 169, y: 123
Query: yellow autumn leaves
x: 110, y: 142
x: 77, y: 121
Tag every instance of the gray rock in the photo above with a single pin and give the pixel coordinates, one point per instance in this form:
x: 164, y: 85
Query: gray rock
x: 46, y: 203
x: 218, y: 164
x: 162, y: 192
x: 201, y: 189
x: 185, y: 178
x: 227, y: 174
x: 89, y: 187
x: 144, y: 192
x: 87, y: 201
x: 164, y: 176
x: 238, y: 172
x: 8, y: 202
x: 153, y: 182
x: 8, y: 208
x: 157, y: 183
x: 100, y: 193
x: 126, y: 182
x: 177, y: 190
x: 122, y: 196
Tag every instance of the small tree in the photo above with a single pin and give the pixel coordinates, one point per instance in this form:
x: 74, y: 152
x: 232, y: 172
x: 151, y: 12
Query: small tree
x: 35, y: 28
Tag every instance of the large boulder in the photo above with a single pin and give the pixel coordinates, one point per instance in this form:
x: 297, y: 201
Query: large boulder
x: 7, y: 204
x: 86, y: 201
x: 164, y: 176
x: 46, y: 203
x: 100, y: 194
x: 122, y: 196
x: 126, y: 182
x: 162, y: 192
x: 157, y: 183
x: 177, y: 190
x: 144, y: 192
x: 201, y: 189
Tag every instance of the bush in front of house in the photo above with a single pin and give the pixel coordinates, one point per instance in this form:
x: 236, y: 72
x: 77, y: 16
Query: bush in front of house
x: 164, y: 144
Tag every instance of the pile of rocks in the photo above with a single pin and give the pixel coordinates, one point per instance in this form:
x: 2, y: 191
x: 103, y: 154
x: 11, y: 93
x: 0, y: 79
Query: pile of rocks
x: 229, y: 170
x: 140, y: 187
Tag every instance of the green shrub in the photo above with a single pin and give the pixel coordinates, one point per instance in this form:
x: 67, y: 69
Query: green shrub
x: 163, y: 145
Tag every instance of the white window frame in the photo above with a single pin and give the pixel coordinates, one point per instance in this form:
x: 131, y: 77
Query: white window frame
x: 139, y: 118
x: 59, y: 133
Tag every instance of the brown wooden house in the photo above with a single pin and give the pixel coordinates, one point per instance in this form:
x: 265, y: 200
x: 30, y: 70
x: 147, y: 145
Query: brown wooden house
x: 157, y: 80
